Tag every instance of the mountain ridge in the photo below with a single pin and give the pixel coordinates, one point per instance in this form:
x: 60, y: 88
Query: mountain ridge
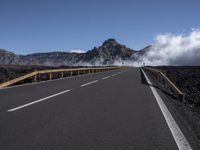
x: 106, y: 54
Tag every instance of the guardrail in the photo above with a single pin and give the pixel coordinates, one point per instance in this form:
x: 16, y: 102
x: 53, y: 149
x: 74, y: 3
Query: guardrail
x: 167, y: 84
x: 71, y: 72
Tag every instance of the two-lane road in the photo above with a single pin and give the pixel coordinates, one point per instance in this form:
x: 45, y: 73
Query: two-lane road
x: 104, y: 111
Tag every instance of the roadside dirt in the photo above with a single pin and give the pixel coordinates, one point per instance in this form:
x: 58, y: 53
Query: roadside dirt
x: 187, y: 79
x: 11, y: 72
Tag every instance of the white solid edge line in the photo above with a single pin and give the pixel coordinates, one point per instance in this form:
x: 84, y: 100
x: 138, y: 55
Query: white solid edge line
x: 106, y: 77
x: 178, y: 136
x: 37, y: 101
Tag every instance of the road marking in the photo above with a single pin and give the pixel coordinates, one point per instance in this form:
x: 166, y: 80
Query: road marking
x: 37, y: 101
x: 106, y: 77
x: 114, y: 75
x: 89, y: 83
x: 178, y: 136
x: 53, y: 80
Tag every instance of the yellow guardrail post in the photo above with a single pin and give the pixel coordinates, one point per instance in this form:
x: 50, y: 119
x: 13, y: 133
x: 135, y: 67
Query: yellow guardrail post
x: 62, y: 74
x: 168, y: 83
x: 35, y: 78
x: 50, y: 76
x: 35, y: 74
x: 8, y: 83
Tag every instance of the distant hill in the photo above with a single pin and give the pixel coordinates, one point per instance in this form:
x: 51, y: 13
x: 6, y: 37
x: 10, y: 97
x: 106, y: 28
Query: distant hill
x: 106, y: 54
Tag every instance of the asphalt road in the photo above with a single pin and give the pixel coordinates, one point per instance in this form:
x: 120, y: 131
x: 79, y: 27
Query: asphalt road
x: 104, y: 111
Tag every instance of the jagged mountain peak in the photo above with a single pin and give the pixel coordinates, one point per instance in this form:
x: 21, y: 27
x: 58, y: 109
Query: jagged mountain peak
x: 5, y: 51
x: 111, y: 41
x: 108, y: 53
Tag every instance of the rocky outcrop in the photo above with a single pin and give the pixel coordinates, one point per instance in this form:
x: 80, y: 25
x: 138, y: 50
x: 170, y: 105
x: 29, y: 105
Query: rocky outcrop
x: 106, y: 54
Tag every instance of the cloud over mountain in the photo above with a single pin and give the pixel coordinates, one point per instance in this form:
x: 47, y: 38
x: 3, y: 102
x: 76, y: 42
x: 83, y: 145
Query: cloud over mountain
x: 169, y: 49
x: 77, y: 51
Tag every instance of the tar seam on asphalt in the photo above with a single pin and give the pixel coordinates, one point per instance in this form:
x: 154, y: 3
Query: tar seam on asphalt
x: 178, y: 136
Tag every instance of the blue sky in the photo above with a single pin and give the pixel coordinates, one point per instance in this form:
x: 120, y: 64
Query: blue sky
x: 29, y: 26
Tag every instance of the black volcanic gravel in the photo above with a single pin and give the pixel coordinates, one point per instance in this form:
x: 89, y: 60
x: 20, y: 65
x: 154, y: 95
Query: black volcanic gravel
x: 187, y: 79
x: 9, y: 72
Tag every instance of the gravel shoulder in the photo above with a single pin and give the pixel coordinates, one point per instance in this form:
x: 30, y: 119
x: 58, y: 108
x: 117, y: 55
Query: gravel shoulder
x: 187, y: 79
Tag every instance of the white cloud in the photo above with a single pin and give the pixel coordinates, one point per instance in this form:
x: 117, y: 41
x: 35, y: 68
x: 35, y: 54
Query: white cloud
x: 77, y: 51
x: 169, y: 49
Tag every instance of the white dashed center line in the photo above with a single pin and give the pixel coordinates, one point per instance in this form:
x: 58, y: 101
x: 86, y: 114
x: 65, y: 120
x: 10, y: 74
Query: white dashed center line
x: 37, y: 101
x: 114, y: 75
x: 89, y: 83
x: 105, y: 77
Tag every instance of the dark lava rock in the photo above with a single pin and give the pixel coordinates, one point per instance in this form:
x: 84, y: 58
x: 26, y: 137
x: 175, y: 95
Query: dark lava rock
x: 187, y: 79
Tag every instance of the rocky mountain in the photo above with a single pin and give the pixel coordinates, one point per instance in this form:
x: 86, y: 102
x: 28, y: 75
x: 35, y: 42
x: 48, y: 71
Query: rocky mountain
x: 106, y: 54
x: 51, y: 59
x: 7, y: 57
x: 109, y: 52
x: 141, y: 53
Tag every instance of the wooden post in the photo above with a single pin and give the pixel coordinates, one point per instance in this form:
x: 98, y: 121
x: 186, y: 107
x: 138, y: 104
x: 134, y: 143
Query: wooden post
x: 78, y: 72
x: 62, y: 74
x: 35, y: 78
x: 71, y: 73
x: 50, y: 76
